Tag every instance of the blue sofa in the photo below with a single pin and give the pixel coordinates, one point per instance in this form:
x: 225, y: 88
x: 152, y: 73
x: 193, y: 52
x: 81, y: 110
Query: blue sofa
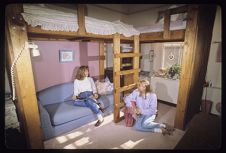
x: 58, y: 114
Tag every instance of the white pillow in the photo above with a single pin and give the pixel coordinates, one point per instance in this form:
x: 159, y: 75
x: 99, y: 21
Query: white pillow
x: 104, y: 88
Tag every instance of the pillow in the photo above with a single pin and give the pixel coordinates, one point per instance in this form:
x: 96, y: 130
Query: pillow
x: 104, y: 88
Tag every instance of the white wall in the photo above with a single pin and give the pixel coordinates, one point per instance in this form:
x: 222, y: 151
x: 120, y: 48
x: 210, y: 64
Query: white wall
x: 146, y: 64
x: 214, y: 68
x: 109, y: 55
x: 104, y: 14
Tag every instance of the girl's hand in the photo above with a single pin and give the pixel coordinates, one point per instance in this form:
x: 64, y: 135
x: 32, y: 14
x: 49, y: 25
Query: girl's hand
x: 95, y: 96
x: 138, y: 111
x: 74, y: 97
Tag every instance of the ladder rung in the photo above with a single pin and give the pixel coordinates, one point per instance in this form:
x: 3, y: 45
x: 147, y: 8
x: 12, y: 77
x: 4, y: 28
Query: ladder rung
x: 123, y: 55
x: 125, y: 88
x: 125, y: 72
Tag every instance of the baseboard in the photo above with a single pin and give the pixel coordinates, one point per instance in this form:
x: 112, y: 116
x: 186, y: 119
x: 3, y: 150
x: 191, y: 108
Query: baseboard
x: 167, y: 103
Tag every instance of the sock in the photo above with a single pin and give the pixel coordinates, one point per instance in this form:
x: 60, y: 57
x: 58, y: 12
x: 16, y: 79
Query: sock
x: 157, y: 130
x: 100, y: 117
x: 162, y: 125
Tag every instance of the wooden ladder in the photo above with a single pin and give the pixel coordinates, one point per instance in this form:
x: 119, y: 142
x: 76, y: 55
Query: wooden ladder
x: 118, y: 104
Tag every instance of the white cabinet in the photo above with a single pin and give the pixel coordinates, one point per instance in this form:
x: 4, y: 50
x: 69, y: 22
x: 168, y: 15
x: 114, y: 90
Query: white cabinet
x: 165, y: 89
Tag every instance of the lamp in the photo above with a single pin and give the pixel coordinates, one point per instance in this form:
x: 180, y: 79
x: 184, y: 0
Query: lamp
x: 34, y: 51
x: 33, y: 48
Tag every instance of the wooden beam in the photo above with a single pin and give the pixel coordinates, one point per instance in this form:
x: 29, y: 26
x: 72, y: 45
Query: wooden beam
x: 25, y: 88
x: 181, y: 9
x: 125, y: 88
x: 206, y: 22
x: 166, y: 32
x: 116, y: 68
x: 136, y: 59
x: 175, y: 35
x: 37, y: 32
x: 125, y: 55
x: 81, y: 18
x: 101, y: 61
x: 198, y: 36
x: 126, y: 72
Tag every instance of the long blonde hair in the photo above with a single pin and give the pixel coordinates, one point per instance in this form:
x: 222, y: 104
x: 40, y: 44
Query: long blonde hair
x: 147, y: 85
x: 80, y: 75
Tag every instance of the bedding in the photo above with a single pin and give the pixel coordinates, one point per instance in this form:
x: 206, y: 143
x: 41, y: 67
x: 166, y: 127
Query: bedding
x: 174, y: 25
x: 56, y: 18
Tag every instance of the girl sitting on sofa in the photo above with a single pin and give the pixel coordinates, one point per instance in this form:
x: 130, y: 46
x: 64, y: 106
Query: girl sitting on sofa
x: 145, y: 108
x: 85, y: 93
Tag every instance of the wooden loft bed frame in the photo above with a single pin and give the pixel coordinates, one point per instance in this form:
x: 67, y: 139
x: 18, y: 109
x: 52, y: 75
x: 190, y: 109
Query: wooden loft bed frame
x: 194, y: 64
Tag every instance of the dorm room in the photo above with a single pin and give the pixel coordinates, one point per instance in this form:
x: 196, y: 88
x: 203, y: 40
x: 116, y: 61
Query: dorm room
x: 196, y: 40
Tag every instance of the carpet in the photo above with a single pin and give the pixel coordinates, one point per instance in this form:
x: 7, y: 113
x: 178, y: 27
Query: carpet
x: 110, y: 135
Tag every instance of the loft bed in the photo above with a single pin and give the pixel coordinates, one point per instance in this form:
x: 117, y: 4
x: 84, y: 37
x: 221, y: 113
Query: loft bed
x: 18, y: 32
x: 44, y: 20
x: 174, y: 25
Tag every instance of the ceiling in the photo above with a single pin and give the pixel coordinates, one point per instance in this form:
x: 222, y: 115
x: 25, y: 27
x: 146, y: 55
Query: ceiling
x: 129, y: 9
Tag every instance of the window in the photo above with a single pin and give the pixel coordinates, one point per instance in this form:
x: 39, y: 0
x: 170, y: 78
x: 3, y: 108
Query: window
x: 172, y: 54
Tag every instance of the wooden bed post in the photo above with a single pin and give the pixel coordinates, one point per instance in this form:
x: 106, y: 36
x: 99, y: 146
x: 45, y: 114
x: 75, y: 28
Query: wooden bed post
x: 81, y: 18
x: 197, y: 42
x: 116, y: 77
x: 102, y: 58
x: 16, y: 35
x: 136, y: 59
x: 166, y: 33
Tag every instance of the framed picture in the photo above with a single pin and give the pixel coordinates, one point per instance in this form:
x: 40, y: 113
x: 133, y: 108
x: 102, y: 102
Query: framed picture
x: 66, y: 55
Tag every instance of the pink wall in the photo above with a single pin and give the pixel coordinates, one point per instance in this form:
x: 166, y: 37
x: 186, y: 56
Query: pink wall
x: 47, y: 69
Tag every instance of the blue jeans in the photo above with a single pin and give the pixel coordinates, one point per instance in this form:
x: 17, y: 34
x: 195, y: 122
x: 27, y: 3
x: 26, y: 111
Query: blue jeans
x: 87, y: 102
x: 146, y: 123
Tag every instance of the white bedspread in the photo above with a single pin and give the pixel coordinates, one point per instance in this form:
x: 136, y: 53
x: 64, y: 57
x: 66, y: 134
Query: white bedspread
x: 55, y: 18
x: 174, y: 25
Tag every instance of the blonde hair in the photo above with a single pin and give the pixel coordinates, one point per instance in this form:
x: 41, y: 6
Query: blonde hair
x: 80, y: 75
x: 147, y: 85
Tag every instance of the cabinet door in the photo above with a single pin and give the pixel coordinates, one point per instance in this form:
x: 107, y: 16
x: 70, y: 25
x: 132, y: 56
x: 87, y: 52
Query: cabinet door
x: 165, y: 89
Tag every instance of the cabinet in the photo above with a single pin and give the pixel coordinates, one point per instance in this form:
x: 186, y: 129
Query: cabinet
x: 165, y: 89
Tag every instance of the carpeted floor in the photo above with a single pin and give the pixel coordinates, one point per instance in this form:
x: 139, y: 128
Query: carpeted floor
x: 116, y: 136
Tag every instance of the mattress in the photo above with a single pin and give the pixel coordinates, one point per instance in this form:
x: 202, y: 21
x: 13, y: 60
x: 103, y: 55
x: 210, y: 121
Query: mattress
x: 174, y: 25
x: 55, y: 18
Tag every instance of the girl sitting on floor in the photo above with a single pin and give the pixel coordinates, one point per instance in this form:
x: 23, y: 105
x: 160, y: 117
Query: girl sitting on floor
x: 145, y: 109
x: 85, y: 93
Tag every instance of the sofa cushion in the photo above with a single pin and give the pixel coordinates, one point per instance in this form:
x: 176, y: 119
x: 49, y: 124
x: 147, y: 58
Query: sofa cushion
x: 56, y: 94
x: 61, y: 113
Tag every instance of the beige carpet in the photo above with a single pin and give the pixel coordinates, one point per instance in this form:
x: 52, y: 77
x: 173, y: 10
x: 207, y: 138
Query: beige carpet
x: 116, y: 136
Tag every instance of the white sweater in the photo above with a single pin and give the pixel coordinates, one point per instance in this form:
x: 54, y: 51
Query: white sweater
x: 84, y: 85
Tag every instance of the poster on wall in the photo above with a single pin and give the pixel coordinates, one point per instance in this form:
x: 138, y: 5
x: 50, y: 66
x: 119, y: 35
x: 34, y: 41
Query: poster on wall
x: 66, y: 55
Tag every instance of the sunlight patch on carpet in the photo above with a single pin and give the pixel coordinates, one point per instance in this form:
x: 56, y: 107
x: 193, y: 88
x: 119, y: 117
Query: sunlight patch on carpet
x: 130, y: 144
x: 74, y: 134
x: 70, y: 146
x: 82, y: 141
x: 61, y: 139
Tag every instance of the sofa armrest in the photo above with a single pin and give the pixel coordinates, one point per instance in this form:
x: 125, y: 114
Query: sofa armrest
x: 46, y: 125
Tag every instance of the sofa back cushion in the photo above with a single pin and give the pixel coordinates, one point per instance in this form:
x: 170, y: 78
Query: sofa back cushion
x: 56, y: 94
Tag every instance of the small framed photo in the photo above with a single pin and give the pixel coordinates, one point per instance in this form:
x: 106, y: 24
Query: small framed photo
x: 66, y: 55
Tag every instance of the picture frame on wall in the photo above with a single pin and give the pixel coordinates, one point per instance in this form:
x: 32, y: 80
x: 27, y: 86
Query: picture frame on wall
x: 66, y: 55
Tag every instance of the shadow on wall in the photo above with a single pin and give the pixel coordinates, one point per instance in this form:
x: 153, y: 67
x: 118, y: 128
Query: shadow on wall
x: 162, y: 93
